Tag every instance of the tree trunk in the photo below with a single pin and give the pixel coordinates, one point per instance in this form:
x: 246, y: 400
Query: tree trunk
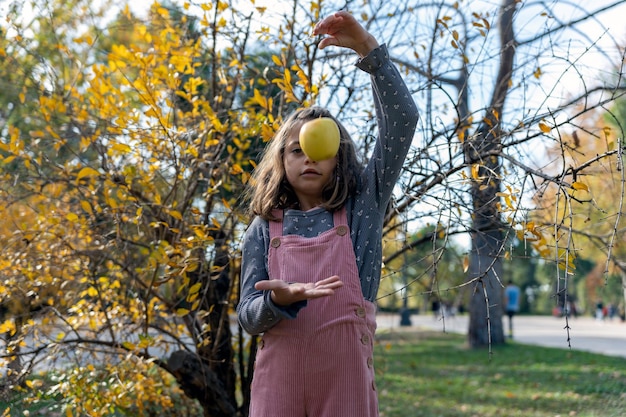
x: 209, y: 375
x: 199, y: 381
x: 218, y: 354
x: 623, y: 309
x: 485, y: 325
x: 482, y: 152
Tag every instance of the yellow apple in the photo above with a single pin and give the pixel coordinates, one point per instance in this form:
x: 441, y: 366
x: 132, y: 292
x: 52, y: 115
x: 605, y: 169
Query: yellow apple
x: 319, y: 138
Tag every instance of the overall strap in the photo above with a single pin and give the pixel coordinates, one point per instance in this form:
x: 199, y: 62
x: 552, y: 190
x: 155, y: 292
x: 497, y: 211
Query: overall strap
x: 276, y: 227
x: 340, y: 218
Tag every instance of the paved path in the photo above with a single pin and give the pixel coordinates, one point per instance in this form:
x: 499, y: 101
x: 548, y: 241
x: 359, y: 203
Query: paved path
x: 587, y: 334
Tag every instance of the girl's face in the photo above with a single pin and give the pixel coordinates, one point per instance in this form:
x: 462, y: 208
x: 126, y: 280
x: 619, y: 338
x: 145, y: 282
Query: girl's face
x: 306, y: 177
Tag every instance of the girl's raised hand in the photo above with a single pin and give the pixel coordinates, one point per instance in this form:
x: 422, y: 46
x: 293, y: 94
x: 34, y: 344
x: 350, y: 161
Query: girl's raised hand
x: 285, y: 293
x: 343, y: 30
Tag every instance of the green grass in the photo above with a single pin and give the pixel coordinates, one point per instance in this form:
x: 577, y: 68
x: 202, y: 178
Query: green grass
x: 436, y: 375
x: 432, y: 374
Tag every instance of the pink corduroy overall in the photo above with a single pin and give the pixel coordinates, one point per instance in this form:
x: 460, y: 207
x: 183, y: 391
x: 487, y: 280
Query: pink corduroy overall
x: 319, y: 364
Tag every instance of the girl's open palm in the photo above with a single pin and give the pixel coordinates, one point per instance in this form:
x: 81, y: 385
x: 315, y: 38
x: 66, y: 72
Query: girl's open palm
x: 285, y: 293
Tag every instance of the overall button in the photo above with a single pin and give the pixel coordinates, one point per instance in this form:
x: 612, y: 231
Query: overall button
x: 342, y: 230
x: 365, y: 339
x: 360, y: 312
x: 275, y: 242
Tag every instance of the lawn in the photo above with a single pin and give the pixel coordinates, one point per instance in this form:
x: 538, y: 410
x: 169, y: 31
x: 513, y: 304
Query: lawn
x: 432, y: 374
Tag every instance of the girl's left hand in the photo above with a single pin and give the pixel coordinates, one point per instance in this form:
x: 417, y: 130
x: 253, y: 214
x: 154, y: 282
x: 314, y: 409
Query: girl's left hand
x: 284, y: 293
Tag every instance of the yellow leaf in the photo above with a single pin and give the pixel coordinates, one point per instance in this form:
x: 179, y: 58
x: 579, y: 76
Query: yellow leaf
x: 60, y: 336
x: 8, y: 327
x: 144, y: 343
x: 72, y: 217
x: 86, y: 172
x: 163, y: 12
x: 121, y: 147
x: 580, y: 186
x: 86, y: 206
x: 195, y: 288
x: 176, y: 214
x: 236, y: 169
x: 465, y: 263
x: 544, y: 127
x: 475, y: 170
x: 276, y: 60
x: 191, y: 298
x: 34, y: 384
x: 182, y: 312
x: 152, y: 113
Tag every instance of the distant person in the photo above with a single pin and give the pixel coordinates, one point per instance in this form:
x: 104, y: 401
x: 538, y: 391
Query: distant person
x: 511, y: 303
x: 600, y: 310
x: 612, y: 311
x: 572, y: 309
x: 435, y: 307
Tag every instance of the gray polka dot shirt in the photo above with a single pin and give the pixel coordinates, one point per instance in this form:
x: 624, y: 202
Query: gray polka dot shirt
x: 397, y: 119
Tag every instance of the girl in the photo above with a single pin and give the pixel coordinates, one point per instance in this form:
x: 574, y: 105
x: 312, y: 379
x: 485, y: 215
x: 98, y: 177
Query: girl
x: 312, y: 255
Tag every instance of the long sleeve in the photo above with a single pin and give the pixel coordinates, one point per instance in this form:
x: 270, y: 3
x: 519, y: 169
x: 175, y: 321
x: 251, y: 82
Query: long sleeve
x: 397, y: 118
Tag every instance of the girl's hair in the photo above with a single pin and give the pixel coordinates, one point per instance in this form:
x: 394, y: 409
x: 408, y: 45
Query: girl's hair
x: 269, y: 188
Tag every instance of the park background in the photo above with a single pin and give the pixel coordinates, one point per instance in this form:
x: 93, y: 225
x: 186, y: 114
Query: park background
x: 128, y: 134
